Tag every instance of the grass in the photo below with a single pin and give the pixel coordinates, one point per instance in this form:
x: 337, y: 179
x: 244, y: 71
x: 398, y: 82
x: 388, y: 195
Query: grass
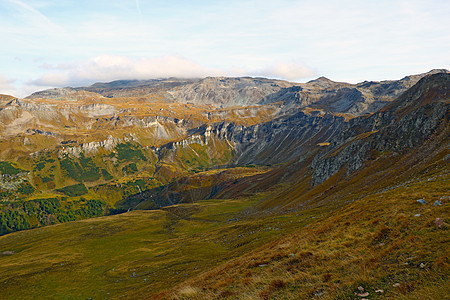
x: 354, y: 233
x: 74, y: 190
x: 255, y: 246
x: 376, y: 242
x: 150, y: 250
x: 137, y: 253
x: 8, y: 169
x: 220, y: 248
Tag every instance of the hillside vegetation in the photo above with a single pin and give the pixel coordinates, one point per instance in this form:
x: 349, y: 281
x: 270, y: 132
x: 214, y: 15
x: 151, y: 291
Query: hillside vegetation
x: 259, y: 190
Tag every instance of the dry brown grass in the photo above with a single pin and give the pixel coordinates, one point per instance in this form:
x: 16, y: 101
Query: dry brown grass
x: 374, y: 242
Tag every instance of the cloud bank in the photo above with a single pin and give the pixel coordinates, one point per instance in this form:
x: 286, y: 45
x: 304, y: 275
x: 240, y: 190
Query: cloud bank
x: 6, y: 86
x: 115, y: 67
x: 289, y: 71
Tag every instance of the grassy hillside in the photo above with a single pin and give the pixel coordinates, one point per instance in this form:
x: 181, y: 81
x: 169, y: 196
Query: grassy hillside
x: 115, y: 255
x: 220, y: 248
x: 107, y: 176
x: 360, y: 212
x: 386, y: 241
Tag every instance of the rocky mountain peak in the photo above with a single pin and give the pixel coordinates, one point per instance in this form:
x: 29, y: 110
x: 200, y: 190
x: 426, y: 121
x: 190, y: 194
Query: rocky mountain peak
x: 320, y: 79
x: 323, y: 83
x: 430, y: 89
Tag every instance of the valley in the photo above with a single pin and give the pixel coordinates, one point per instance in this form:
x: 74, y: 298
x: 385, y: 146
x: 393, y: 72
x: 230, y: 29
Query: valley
x: 239, y: 188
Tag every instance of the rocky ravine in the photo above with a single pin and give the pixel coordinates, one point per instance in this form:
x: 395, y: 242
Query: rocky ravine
x: 288, y: 123
x: 420, y: 114
x: 274, y: 142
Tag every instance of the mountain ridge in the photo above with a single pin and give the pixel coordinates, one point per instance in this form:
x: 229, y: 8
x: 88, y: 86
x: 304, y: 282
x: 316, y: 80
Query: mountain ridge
x: 293, y: 197
x: 356, y: 99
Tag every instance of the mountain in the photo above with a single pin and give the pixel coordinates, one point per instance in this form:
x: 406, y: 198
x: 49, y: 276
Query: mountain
x: 222, y: 92
x: 174, y: 127
x: 240, y: 188
x: 405, y: 123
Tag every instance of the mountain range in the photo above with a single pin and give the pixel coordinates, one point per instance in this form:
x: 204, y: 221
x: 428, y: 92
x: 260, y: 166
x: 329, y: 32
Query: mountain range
x: 240, y: 188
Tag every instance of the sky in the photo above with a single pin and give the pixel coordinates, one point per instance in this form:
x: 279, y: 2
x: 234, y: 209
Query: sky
x: 46, y: 44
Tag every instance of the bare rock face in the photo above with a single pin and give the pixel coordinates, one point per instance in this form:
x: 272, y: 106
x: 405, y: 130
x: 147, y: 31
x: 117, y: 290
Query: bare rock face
x: 226, y: 92
x: 30, y: 106
x: 439, y: 222
x: 221, y: 92
x: 92, y: 147
x: 277, y: 141
x: 4, y: 99
x: 263, y: 121
x: 338, y: 97
x: 404, y: 124
x: 137, y: 88
x: 285, y: 138
x: 66, y: 93
x: 95, y: 110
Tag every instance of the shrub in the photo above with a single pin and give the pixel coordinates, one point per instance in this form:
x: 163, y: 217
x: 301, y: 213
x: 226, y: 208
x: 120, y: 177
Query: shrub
x: 277, y: 284
x: 26, y: 188
x: 8, y: 169
x: 85, y: 170
x: 74, y: 190
x: 128, y: 151
x: 130, y: 168
x: 46, y: 179
x: 40, y: 165
x: 106, y: 175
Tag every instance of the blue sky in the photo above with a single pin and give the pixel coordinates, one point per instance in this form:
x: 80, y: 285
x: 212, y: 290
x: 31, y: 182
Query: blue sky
x: 72, y: 43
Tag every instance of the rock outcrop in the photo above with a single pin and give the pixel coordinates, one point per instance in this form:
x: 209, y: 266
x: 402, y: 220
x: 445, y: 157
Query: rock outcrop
x: 215, y: 122
x: 278, y: 141
x: 404, y: 124
x: 219, y: 92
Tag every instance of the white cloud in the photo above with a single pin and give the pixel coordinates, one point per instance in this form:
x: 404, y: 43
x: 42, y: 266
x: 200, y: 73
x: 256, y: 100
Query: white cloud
x: 138, y: 7
x: 114, y: 67
x: 289, y: 71
x: 6, y: 86
x: 14, y: 87
x: 343, y: 40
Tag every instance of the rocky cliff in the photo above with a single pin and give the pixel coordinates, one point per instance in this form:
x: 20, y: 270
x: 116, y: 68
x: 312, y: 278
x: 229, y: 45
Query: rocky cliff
x: 273, y: 142
x: 222, y: 92
x: 174, y: 128
x: 416, y: 116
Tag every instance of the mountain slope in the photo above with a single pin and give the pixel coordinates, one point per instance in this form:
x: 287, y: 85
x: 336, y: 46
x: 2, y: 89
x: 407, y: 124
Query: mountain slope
x: 123, y: 148
x: 405, y: 123
x: 322, y: 93
x: 337, y: 213
x: 374, y: 236
x: 386, y: 244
